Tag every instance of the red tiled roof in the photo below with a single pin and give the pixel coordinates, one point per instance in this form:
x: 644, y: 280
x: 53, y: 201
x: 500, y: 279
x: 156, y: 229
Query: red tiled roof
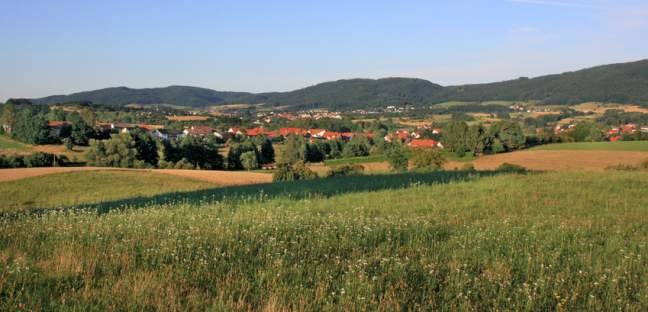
x: 288, y: 131
x: 57, y: 123
x: 255, y: 131
x: 423, y: 143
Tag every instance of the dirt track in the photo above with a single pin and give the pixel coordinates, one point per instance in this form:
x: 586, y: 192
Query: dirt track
x: 212, y: 176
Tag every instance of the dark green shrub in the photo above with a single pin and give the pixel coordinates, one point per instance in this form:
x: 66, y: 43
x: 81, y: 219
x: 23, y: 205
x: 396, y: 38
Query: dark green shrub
x: 345, y: 170
x: 428, y: 159
x: 506, y: 167
x: 293, y: 172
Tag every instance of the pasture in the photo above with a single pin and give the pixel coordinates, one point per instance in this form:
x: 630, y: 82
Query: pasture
x: 438, y: 241
x: 88, y: 187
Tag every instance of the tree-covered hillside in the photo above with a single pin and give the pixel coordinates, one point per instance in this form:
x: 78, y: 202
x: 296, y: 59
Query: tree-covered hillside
x: 177, y: 95
x: 621, y: 83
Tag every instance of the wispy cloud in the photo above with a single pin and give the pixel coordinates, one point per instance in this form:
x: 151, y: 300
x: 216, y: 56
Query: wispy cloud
x: 561, y: 3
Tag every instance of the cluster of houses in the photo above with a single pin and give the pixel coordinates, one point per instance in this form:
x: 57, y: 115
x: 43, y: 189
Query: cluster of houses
x: 616, y: 133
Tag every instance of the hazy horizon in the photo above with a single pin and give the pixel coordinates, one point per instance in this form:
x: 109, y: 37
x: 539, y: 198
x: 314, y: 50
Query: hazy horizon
x: 73, y: 46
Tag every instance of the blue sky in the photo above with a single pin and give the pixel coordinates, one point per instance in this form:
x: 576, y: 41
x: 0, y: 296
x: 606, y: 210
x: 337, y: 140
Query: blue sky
x: 59, y: 47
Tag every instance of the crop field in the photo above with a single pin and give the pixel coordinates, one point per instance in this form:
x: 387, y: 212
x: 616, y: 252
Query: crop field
x: 440, y: 241
x: 639, y: 146
x: 559, y: 160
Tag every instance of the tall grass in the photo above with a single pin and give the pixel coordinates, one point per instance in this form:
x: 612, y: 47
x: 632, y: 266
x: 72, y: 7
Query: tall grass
x: 558, y: 241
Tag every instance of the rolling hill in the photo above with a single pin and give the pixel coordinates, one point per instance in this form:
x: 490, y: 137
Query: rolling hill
x: 620, y: 83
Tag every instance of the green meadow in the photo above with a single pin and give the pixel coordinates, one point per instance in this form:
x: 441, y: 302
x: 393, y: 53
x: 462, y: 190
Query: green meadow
x: 88, y: 187
x: 638, y: 146
x: 437, y: 241
x: 10, y: 145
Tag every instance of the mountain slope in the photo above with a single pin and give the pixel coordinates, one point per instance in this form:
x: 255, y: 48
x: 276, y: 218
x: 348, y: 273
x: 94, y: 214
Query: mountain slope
x: 358, y: 93
x: 177, y: 95
x: 621, y: 83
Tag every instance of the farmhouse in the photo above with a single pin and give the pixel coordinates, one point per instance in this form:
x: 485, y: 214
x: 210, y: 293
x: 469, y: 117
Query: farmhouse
x: 56, y: 127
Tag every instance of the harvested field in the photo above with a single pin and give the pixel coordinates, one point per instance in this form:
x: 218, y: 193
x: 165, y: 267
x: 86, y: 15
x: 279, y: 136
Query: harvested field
x: 558, y: 160
x: 221, y: 177
x: 212, y: 176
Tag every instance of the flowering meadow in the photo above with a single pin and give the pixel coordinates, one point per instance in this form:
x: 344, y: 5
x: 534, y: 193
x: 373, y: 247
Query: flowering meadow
x: 540, y: 241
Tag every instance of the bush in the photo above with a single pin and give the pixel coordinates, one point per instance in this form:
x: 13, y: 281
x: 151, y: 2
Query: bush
x: 184, y: 164
x: 33, y: 160
x: 249, y: 161
x: 644, y: 165
x: 429, y: 159
x: 345, y: 170
x: 397, y: 158
x: 506, y: 167
x: 293, y: 172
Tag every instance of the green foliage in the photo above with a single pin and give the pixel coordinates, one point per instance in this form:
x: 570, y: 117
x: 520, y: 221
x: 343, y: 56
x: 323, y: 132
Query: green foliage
x: 80, y: 132
x: 237, y: 150
x: 249, y: 160
x: 397, y: 158
x: 428, y: 159
x: 37, y: 159
x: 293, y: 172
x: 345, y: 170
x: 587, y: 132
x: 120, y: 151
x: 30, y: 128
x: 511, y: 168
x: 294, y: 149
x: 507, y: 133
x: 356, y: 147
x: 266, y: 150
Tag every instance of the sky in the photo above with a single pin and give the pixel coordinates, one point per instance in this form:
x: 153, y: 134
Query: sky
x: 60, y: 47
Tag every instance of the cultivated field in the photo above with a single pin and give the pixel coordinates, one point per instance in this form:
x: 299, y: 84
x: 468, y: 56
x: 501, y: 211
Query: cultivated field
x: 440, y: 241
x: 638, y: 146
x: 558, y: 160
x: 213, y: 176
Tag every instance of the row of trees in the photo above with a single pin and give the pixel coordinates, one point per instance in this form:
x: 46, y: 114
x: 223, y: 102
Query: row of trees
x: 503, y: 136
x: 137, y: 149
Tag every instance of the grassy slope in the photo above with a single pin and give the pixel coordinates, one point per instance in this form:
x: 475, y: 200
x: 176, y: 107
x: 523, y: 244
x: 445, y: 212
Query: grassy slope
x: 7, y: 143
x: 574, y: 241
x: 88, y: 187
x: 641, y: 146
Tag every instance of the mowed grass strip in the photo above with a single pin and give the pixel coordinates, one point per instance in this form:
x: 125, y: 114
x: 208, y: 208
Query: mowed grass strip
x: 639, y: 146
x: 551, y: 241
x: 88, y: 187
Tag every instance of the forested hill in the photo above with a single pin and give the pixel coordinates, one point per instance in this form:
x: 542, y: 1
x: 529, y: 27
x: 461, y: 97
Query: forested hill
x: 622, y: 83
x: 177, y: 95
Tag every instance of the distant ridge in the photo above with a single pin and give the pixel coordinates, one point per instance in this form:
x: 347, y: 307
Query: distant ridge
x: 621, y: 83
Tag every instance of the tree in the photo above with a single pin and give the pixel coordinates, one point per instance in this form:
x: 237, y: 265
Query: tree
x: 358, y: 146
x: 29, y: 128
x: 397, y: 158
x: 266, y: 150
x: 8, y: 114
x: 201, y: 153
x: 294, y: 150
x: 80, y: 132
x: 293, y: 171
x: 312, y: 153
x: 119, y: 151
x: 510, y: 135
x: 428, y: 159
x: 235, y: 152
x: 249, y: 160
x: 454, y: 137
x: 69, y: 145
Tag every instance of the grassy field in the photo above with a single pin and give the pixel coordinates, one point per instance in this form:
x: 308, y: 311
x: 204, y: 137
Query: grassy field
x: 9, y: 145
x: 639, y: 146
x: 89, y: 187
x: 440, y: 241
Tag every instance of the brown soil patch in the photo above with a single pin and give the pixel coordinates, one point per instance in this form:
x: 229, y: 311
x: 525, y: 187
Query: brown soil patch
x: 221, y: 177
x: 212, y: 176
x: 558, y: 160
